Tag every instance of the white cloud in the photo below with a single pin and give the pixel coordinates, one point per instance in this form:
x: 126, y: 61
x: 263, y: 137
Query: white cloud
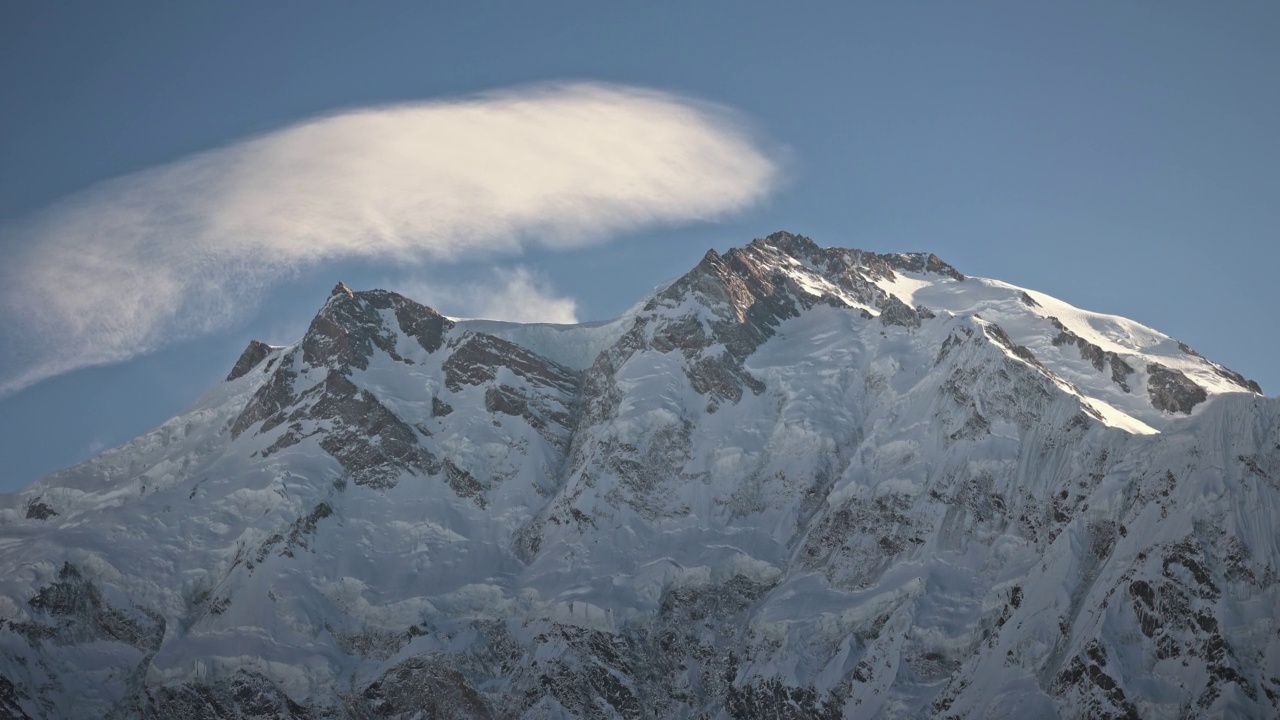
x: 169, y: 253
x: 515, y: 294
x: 95, y: 446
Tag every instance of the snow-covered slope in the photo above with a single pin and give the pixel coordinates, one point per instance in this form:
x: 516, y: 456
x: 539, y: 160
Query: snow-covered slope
x: 795, y: 482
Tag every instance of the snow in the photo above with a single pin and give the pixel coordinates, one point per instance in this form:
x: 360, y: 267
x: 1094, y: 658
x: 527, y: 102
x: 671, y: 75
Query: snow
x: 905, y: 285
x: 574, y: 346
x: 1001, y: 304
x: 861, y: 526
x: 812, y: 282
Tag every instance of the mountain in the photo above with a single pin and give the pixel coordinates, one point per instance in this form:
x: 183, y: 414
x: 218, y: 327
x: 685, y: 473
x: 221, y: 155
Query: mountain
x: 796, y: 482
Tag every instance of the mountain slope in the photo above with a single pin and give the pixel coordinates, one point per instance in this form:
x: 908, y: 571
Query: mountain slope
x: 795, y: 482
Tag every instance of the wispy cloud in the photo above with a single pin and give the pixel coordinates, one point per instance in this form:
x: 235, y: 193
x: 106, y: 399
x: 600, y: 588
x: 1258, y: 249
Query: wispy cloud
x: 517, y: 294
x: 139, y: 262
x: 95, y: 446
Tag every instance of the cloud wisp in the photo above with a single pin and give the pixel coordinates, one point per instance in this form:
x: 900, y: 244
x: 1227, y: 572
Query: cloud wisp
x: 176, y: 251
x: 513, y: 294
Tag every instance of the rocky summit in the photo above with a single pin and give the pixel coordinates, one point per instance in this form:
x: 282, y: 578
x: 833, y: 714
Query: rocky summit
x: 796, y: 482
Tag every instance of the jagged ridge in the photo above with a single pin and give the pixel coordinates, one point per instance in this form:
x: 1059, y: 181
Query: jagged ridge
x: 798, y: 482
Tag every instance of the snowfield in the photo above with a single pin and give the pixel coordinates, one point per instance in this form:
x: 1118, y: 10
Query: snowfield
x: 796, y: 482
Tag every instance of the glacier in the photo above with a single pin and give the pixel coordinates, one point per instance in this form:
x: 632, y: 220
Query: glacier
x: 795, y: 482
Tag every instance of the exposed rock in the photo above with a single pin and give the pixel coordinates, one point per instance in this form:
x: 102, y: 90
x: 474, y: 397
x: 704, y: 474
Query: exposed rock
x: 440, y: 408
x: 252, y: 356
x: 375, y: 643
x: 297, y: 537
x: 997, y: 333
x: 10, y: 707
x: 896, y: 312
x: 1120, y: 370
x: 37, y: 510
x: 79, y: 614
x: 755, y: 503
x: 592, y: 675
x: 420, y: 322
x: 477, y: 358
x: 773, y: 699
x: 351, y: 324
x: 270, y: 400
x: 749, y: 299
x: 517, y: 402
x: 371, y: 443
x: 422, y: 687
x: 245, y: 694
x: 851, y: 268
x: 854, y: 544
x: 1224, y: 372
x: 751, y: 296
x: 1171, y: 390
x: 464, y: 483
x: 923, y: 262
x: 1100, y: 695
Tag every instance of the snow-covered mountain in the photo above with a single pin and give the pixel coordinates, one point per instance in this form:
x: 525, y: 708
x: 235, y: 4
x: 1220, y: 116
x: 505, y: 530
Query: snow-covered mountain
x: 796, y: 482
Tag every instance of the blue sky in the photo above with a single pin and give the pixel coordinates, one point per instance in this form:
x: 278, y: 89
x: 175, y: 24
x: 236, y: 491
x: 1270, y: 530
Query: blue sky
x: 1120, y: 156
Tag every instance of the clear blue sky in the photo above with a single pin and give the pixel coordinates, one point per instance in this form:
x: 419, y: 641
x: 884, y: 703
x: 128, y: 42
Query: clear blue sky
x: 1122, y: 156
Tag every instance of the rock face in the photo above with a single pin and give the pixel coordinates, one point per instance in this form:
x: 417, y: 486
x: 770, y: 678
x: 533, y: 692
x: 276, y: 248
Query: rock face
x: 1099, y: 358
x: 252, y: 356
x: 796, y: 482
x: 1172, y: 391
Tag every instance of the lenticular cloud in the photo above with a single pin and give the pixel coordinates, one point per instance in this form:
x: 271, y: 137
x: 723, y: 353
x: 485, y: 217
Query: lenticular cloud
x: 187, y: 248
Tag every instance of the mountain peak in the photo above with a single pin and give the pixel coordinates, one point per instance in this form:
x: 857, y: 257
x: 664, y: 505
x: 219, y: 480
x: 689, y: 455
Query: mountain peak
x: 341, y: 289
x: 923, y: 262
x: 830, y: 482
x: 254, y: 354
x: 798, y: 246
x: 351, y: 324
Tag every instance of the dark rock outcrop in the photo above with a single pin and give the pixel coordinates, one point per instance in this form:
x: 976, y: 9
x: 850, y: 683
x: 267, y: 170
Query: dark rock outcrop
x: 37, y: 510
x: 72, y: 611
x: 374, y: 445
x: 1224, y: 372
x: 10, y: 707
x: 1172, y: 391
x: 351, y: 324
x: 997, y: 333
x: 253, y: 355
x: 751, y: 295
x: 477, y: 358
x: 854, y: 539
x: 896, y: 312
x: 923, y: 262
x: 371, y: 443
x: 245, y: 694
x: 421, y: 687
x: 1099, y: 358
